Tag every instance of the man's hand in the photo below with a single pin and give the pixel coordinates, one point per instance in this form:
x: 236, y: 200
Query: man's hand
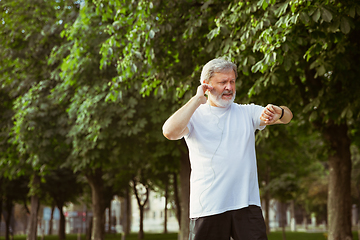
x: 176, y: 126
x: 201, y: 90
x: 271, y: 114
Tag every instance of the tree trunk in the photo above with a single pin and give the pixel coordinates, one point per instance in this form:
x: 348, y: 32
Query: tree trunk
x: 339, y: 192
x: 108, y: 223
x: 35, y: 204
x: 177, y: 199
x: 51, y: 219
x: 1, y: 200
x: 305, y: 221
x: 292, y: 216
x: 128, y: 212
x: 89, y: 230
x: 98, y: 206
x: 9, y: 207
x: 141, y: 208
x: 283, y: 219
x: 125, y: 216
x: 185, y: 195
x: 165, y: 207
x: 61, y: 233
x: 141, y: 230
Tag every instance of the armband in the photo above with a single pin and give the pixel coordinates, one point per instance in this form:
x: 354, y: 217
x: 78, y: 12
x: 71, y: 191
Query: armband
x: 282, y: 112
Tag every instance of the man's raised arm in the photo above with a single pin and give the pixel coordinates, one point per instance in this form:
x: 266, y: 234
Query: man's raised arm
x: 176, y: 126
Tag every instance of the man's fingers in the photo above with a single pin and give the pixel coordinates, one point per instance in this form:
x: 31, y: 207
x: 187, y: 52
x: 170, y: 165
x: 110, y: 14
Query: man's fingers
x: 268, y: 115
x: 207, y: 87
x: 270, y: 108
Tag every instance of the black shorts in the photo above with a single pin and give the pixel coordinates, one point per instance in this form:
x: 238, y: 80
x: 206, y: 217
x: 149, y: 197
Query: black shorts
x: 242, y: 224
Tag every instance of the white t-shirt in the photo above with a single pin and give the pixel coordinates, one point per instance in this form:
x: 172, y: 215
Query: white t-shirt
x: 221, y: 144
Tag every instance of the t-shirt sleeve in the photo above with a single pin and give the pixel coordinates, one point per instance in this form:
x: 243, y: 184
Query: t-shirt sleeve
x: 256, y: 111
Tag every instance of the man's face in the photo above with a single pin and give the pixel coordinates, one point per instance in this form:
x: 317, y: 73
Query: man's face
x: 224, y: 90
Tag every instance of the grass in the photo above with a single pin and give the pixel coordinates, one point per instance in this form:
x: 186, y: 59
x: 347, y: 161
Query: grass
x: 271, y: 236
x: 173, y: 236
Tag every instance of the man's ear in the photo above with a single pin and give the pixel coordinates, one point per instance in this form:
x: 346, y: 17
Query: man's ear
x: 204, y: 82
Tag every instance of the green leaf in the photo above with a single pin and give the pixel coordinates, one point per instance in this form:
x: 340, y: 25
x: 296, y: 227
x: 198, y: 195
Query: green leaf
x: 151, y: 33
x: 313, y: 116
x: 285, y: 47
x: 210, y: 47
x: 345, y: 25
x: 110, y: 97
x: 304, y: 17
x: 274, y: 79
x: 281, y: 9
x: 287, y: 64
x: 334, y: 26
x: 265, y: 5
x: 326, y: 15
x: 321, y: 70
x: 351, y: 12
x: 257, y: 67
x: 314, y: 64
x: 344, y: 112
x: 133, y: 68
x: 316, y: 15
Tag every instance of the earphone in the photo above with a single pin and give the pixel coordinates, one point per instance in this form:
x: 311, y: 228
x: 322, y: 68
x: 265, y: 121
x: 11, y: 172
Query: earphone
x: 217, y: 148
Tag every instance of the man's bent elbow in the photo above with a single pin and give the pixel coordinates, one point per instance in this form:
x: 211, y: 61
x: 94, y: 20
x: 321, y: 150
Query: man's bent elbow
x: 173, y: 134
x: 170, y: 136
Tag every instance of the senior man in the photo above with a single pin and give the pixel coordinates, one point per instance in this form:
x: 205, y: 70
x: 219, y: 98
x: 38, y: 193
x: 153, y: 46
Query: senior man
x: 220, y: 135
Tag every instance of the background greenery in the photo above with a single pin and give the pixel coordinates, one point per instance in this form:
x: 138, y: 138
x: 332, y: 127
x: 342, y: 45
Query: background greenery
x: 87, y: 85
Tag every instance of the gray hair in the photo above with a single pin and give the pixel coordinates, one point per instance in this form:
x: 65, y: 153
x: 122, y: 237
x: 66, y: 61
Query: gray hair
x: 217, y: 65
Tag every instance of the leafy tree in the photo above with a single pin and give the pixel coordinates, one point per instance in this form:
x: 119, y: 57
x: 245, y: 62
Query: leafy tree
x: 141, y: 191
x: 107, y: 131
x: 101, y: 130
x: 12, y: 191
x: 158, y: 48
x: 283, y: 188
x: 29, y: 32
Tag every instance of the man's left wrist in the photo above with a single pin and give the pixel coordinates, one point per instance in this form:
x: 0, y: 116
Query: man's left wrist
x: 282, y: 112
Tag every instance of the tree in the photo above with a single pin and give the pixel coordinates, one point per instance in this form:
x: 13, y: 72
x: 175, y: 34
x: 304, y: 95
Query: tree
x: 29, y: 32
x: 141, y: 192
x: 10, y: 196
x: 107, y: 130
x: 101, y: 130
x: 159, y: 46
x: 283, y: 189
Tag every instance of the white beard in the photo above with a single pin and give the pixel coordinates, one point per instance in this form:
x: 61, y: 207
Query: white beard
x: 218, y: 101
